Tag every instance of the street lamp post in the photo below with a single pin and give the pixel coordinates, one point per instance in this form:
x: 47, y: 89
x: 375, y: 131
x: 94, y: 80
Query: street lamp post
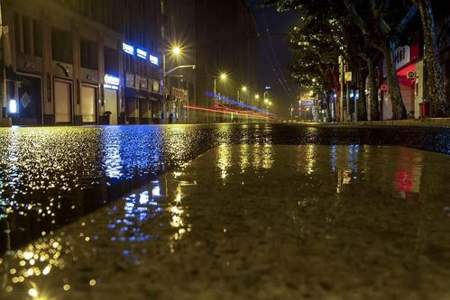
x: 257, y: 97
x: 243, y: 89
x: 222, y: 77
x: 215, y: 99
x: 175, y: 51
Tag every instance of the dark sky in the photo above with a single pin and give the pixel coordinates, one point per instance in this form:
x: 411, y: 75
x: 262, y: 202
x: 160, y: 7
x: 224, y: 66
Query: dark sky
x: 274, y: 54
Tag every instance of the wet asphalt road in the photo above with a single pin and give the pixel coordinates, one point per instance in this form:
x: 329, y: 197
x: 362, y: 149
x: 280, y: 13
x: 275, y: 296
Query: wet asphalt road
x: 51, y: 177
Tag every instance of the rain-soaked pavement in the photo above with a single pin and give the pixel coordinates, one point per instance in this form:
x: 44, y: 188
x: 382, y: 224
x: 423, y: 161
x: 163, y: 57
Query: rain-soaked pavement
x: 265, y: 212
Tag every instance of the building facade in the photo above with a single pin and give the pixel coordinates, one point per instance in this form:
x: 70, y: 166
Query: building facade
x: 83, y: 62
x: 101, y: 61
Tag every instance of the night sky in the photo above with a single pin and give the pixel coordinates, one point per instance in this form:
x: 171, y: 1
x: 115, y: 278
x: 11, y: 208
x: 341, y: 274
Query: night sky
x: 274, y: 54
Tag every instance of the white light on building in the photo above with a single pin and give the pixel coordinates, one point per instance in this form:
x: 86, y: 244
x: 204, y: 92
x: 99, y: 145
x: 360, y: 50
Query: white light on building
x: 128, y: 48
x: 154, y: 60
x: 141, y: 53
x: 111, y: 82
x: 13, y: 107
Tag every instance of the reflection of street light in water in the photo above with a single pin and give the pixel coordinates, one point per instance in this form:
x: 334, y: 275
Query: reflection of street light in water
x: 224, y: 160
x: 177, y: 220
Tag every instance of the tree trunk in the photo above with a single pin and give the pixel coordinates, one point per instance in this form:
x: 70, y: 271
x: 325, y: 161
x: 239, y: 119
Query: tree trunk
x: 373, y: 91
x: 398, y: 108
x: 362, y: 104
x: 432, y: 60
x: 329, y: 98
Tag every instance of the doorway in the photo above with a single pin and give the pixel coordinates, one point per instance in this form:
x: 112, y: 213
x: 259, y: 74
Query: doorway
x: 111, y: 105
x: 63, y: 111
x: 88, y: 100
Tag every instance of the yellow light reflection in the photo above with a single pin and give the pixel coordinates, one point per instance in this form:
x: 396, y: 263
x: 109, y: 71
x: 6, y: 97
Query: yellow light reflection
x: 257, y: 156
x: 310, y: 159
x: 177, y: 218
x: 267, y: 161
x: 244, y: 161
x: 224, y: 160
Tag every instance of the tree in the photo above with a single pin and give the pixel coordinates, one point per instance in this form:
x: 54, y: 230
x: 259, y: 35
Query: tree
x: 381, y: 23
x: 364, y: 58
x: 317, y: 43
x: 432, y: 59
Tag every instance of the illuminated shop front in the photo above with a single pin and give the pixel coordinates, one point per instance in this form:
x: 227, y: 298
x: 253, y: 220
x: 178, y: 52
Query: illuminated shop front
x: 408, y: 61
x: 142, y: 91
x: 111, y: 105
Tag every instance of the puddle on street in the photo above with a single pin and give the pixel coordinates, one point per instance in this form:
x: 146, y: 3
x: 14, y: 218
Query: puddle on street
x: 257, y: 221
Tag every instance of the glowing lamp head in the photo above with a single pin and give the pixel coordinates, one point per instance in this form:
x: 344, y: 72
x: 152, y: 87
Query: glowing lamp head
x: 257, y: 96
x: 176, y: 50
x: 244, y: 88
x: 223, y: 76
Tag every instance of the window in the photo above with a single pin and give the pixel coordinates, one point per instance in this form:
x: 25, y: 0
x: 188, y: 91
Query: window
x: 89, y: 54
x: 111, y: 61
x: 62, y: 46
x: 37, y: 34
x: 18, y: 32
x: 28, y: 35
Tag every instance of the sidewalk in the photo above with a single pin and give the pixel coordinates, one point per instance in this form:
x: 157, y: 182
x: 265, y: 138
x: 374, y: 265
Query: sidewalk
x: 435, y: 122
x: 256, y: 222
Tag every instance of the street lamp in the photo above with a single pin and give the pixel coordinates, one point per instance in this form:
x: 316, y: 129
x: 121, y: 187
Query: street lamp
x: 257, y: 97
x: 176, y: 51
x: 243, y: 89
x: 223, y: 76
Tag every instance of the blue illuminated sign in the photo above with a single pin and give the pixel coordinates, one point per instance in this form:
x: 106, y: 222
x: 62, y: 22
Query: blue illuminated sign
x: 112, y: 82
x: 141, y: 53
x: 154, y: 60
x: 128, y: 48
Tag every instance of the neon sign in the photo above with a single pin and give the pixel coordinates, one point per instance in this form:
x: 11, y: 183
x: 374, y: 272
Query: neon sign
x: 154, y: 60
x: 128, y: 48
x: 112, y: 82
x: 141, y: 53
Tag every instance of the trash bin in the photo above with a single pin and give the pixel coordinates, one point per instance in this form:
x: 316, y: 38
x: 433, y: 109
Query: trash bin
x: 424, y: 109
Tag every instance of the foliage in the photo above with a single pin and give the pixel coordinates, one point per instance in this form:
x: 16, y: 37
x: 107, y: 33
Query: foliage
x: 362, y: 31
x: 317, y: 41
